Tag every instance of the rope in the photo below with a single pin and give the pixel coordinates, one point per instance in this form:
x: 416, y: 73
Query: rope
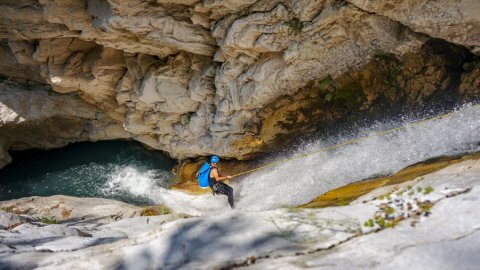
x: 381, y: 133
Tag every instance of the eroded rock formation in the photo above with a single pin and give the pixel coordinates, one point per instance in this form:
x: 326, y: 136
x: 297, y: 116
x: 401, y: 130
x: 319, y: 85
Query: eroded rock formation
x: 194, y: 78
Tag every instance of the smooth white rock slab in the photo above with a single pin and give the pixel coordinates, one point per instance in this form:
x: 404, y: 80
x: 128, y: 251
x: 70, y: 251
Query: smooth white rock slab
x: 328, y: 238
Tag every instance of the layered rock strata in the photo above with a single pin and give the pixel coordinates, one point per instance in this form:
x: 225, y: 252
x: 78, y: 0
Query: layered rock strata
x: 194, y: 78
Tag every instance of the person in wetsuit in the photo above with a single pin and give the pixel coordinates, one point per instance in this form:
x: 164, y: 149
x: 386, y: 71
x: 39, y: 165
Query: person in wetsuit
x: 216, y: 181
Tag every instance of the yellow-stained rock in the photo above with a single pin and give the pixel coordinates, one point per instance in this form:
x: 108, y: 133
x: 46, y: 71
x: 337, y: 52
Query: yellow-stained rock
x: 344, y: 195
x: 187, y: 173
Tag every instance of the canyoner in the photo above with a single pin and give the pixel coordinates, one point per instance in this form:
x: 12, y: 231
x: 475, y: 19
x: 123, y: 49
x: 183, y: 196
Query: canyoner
x: 209, y: 177
x: 206, y: 173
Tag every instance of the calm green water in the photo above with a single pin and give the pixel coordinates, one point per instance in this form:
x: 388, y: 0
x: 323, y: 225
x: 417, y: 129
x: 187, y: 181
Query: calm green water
x: 108, y: 169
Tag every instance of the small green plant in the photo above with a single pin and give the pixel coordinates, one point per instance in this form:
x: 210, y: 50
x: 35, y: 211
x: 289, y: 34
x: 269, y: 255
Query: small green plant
x: 295, y: 25
x: 428, y: 190
x: 369, y: 223
x: 425, y: 206
x: 380, y: 221
x: 186, y: 118
x: 329, y: 97
x: 419, y: 189
x: 389, y: 210
x: 48, y: 220
x: 389, y: 224
x: 325, y: 83
x: 409, y: 187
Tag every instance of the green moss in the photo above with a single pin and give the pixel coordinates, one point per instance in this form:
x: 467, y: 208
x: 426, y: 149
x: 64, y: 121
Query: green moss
x: 428, y: 190
x: 8, y: 209
x: 389, y: 210
x: 186, y: 118
x: 425, y: 206
x: 369, y: 223
x: 381, y: 222
x: 156, y: 210
x: 324, y: 84
x: 419, y: 189
x: 349, y: 95
x: 329, y: 97
x: 295, y: 25
x: 389, y: 224
x: 48, y: 220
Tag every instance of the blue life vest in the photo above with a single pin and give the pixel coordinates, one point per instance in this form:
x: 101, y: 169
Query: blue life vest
x: 203, y: 175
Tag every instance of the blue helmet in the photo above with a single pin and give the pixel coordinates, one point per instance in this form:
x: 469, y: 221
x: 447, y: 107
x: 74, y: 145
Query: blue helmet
x: 214, y: 159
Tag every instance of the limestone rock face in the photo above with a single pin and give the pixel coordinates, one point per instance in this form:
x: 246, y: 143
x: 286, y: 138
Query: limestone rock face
x: 456, y: 21
x: 195, y: 78
x: 61, y: 207
x: 8, y: 220
x: 30, y: 116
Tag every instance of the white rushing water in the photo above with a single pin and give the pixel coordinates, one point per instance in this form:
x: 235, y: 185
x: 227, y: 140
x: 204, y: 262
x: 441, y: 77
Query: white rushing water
x: 299, y: 181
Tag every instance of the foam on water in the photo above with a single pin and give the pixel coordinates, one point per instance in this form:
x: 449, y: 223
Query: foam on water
x: 138, y: 181
x: 110, y: 169
x: 135, y: 180
x: 299, y: 181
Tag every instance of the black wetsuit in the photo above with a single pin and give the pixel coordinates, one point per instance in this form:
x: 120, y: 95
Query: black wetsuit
x: 219, y: 187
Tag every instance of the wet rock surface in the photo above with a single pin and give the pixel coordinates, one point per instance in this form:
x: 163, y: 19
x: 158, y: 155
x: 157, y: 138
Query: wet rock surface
x: 335, y: 237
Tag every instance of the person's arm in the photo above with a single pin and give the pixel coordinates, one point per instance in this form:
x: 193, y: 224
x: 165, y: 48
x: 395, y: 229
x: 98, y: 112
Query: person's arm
x: 218, y: 177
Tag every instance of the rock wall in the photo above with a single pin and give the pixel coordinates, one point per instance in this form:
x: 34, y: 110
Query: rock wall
x: 33, y: 116
x: 194, y: 78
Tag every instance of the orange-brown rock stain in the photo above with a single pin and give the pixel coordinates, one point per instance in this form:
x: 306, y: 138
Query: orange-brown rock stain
x: 348, y: 193
x: 187, y: 174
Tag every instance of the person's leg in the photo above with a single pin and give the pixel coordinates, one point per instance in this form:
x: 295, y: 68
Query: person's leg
x: 222, y: 188
x: 229, y: 193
